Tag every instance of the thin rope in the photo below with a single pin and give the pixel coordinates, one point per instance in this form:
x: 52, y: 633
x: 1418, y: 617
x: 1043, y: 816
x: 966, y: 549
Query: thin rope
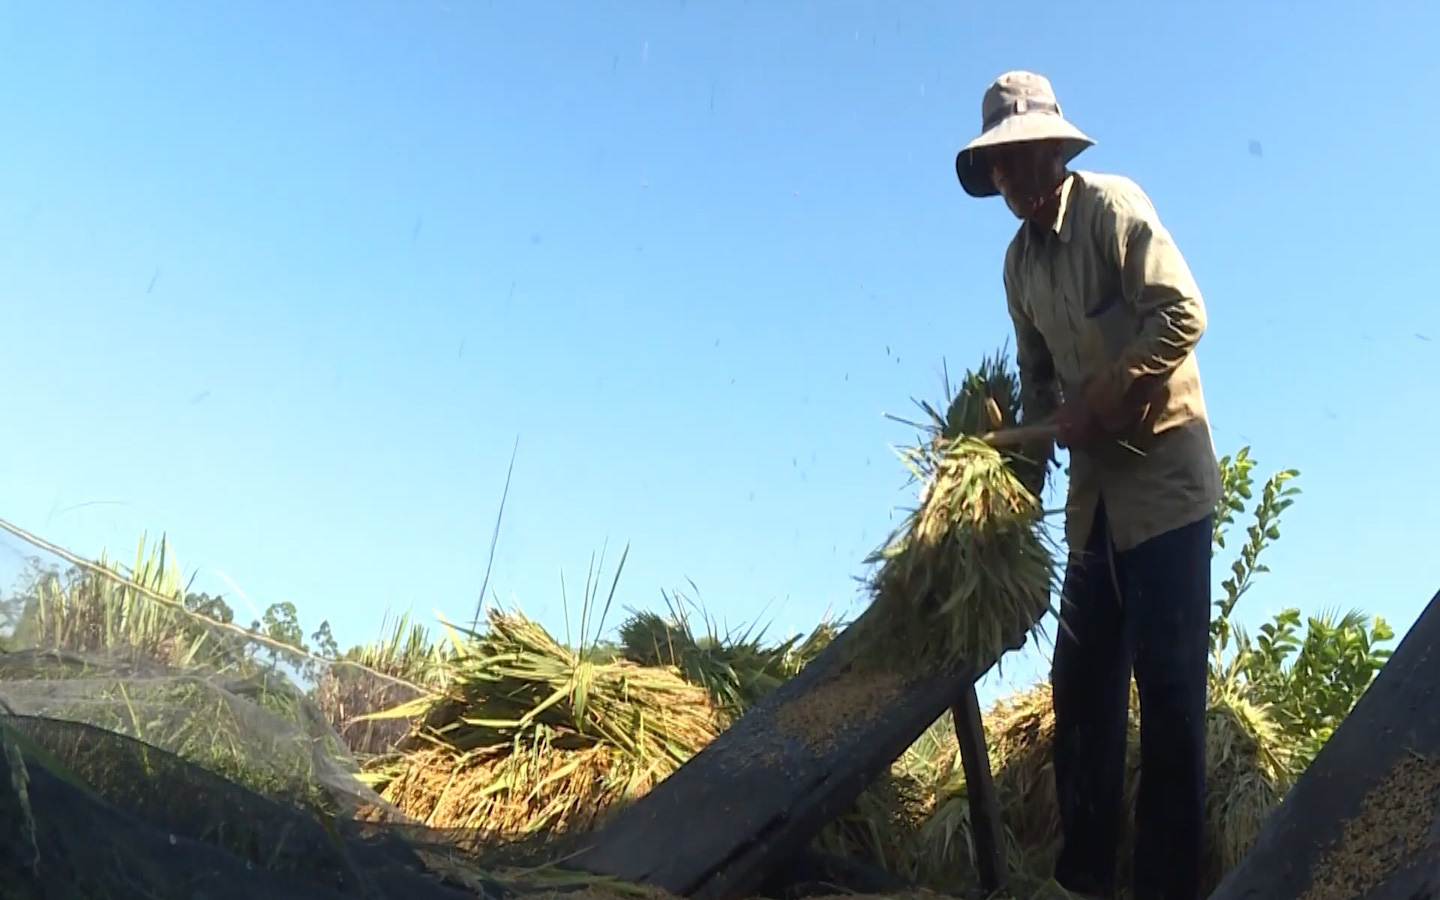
x: 179, y: 607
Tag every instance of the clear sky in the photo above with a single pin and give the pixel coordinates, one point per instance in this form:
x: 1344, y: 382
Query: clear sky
x: 288, y: 280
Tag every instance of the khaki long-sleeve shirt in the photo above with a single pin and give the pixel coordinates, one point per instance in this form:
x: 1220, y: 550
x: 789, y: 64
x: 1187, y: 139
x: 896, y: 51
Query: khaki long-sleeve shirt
x: 1106, y: 292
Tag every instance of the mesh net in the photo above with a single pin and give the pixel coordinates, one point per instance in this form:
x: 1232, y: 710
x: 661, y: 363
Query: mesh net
x: 152, y: 751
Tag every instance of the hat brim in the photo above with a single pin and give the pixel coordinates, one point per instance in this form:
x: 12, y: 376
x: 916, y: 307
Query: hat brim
x: 972, y: 163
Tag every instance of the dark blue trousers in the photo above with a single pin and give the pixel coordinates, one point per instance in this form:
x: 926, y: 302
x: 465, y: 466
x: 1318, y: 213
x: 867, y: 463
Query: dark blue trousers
x: 1145, y: 610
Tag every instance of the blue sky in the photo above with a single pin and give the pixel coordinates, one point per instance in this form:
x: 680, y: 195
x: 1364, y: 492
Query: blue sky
x: 288, y: 281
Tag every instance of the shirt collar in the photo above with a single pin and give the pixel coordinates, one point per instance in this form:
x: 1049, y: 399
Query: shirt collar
x: 1063, y: 217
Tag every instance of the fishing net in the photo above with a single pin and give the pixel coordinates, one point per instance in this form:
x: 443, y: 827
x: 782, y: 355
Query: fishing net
x: 153, y: 752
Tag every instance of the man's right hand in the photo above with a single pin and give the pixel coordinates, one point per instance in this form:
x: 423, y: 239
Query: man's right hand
x: 1076, y: 423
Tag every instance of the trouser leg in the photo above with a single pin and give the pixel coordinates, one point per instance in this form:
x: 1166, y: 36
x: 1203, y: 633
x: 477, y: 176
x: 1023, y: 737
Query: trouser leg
x: 1090, y: 679
x: 1167, y: 604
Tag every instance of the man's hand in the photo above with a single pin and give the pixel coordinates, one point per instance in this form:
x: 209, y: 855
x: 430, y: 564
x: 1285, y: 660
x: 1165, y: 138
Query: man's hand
x: 1106, y: 402
x: 1077, y: 425
x: 1101, y: 409
x: 1114, y: 408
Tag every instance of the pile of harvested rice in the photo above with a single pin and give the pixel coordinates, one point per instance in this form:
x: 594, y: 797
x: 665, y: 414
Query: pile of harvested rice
x: 508, y: 794
x: 1248, y: 771
x: 969, y: 574
x: 532, y: 737
x: 914, y: 821
x: 1247, y: 775
x: 737, y: 670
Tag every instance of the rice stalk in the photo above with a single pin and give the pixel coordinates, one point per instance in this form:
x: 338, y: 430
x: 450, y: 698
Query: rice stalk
x: 107, y: 610
x: 515, y: 678
x: 511, y: 792
x: 379, y: 676
x: 969, y: 573
x: 537, y: 737
x: 1248, y: 766
x: 736, y: 668
x: 880, y: 828
x: 1247, y: 773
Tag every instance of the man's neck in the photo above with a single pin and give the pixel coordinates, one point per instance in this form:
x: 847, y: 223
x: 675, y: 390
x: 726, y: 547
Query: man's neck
x: 1047, y: 217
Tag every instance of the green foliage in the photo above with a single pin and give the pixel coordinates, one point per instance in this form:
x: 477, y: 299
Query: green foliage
x: 324, y: 641
x: 1307, y: 673
x: 1277, y: 496
x: 281, y: 623
x: 1312, y: 680
x: 211, y: 607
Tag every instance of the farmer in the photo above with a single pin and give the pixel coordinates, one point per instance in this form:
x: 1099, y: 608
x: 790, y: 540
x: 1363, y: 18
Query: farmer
x: 1107, y: 316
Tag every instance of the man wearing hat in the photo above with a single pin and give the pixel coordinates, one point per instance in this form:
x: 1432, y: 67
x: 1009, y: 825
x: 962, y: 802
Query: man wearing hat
x: 1107, y: 316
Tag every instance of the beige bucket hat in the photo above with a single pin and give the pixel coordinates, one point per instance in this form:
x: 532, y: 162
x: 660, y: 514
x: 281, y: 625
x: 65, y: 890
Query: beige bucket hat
x: 1018, y: 107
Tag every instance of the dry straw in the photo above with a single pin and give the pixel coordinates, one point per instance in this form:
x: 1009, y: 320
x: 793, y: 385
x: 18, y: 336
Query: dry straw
x: 1248, y: 770
x: 969, y: 573
x: 737, y: 669
x: 1247, y: 775
x: 534, y: 737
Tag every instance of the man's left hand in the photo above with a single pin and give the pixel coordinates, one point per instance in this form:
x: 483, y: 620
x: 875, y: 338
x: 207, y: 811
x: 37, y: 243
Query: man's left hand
x: 1112, y: 409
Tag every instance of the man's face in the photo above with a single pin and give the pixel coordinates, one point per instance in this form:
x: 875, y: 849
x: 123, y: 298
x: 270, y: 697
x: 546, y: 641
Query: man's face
x: 1026, y: 175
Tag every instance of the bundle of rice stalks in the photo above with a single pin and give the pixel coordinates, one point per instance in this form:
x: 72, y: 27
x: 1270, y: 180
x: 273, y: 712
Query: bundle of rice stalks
x: 378, y: 676
x: 800, y: 655
x: 881, y: 828
x: 1247, y: 775
x: 506, y: 794
x: 737, y: 670
x: 969, y: 573
x: 1248, y: 768
x: 515, y: 679
x: 546, y: 729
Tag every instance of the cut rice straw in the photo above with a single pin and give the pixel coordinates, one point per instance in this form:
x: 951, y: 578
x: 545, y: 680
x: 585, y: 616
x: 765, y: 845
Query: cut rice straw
x: 534, y: 737
x: 969, y: 573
